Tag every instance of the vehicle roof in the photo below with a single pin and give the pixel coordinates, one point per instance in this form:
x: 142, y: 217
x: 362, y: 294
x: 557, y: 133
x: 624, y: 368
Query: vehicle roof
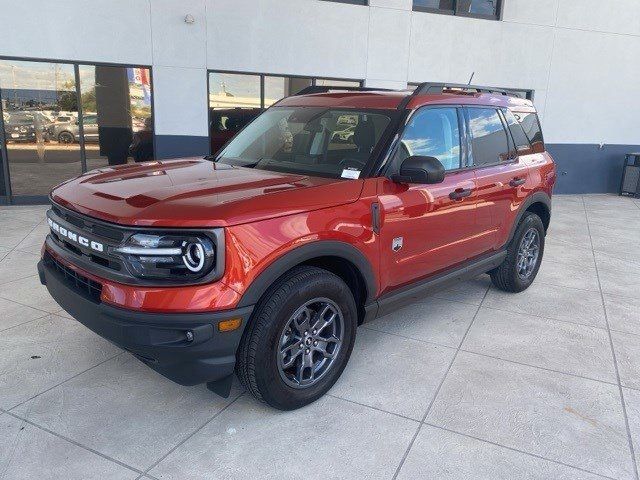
x: 391, y: 100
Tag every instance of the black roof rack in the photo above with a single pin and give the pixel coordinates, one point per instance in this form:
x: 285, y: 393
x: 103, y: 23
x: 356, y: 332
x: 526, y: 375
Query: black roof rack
x: 428, y: 87
x: 329, y: 88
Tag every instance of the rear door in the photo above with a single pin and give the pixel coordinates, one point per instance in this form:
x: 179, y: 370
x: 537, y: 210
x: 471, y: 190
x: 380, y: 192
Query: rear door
x: 427, y: 228
x: 501, y: 173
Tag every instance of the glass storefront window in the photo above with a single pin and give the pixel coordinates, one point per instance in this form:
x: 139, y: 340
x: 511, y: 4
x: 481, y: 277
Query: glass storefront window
x: 35, y: 97
x: 276, y: 88
x: 55, y: 128
x: 116, y: 114
x: 328, y: 82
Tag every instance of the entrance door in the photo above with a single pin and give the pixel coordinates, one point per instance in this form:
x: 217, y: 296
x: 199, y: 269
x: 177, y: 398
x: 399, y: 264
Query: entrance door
x: 35, y: 96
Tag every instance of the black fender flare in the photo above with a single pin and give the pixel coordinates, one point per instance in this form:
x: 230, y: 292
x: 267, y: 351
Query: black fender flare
x: 322, y: 248
x: 538, y: 197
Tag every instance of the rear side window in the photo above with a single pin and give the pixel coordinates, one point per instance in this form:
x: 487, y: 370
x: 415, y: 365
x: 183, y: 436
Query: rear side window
x: 531, y: 126
x: 489, y: 141
x: 519, y: 137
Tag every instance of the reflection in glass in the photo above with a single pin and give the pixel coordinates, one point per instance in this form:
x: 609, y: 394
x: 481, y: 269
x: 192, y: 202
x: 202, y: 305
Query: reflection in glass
x: 435, y: 4
x: 36, y: 97
x: 276, y: 88
x: 234, y: 100
x: 489, y: 143
x: 116, y: 115
x: 478, y: 7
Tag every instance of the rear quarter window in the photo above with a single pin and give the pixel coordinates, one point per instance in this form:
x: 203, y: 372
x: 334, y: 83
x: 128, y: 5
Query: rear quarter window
x: 531, y: 127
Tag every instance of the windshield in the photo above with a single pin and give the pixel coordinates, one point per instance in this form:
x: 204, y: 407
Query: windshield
x: 311, y: 141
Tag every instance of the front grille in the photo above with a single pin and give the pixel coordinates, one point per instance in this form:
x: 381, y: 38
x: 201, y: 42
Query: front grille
x: 87, y: 224
x: 78, y: 282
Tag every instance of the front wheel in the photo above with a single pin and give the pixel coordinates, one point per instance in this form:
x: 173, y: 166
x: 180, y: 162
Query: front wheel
x: 524, y: 256
x: 299, y: 338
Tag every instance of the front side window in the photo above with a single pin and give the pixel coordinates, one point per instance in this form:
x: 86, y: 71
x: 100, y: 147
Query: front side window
x: 432, y: 132
x: 489, y: 142
x: 311, y: 141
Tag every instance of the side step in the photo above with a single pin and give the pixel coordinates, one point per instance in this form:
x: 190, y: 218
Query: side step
x: 391, y: 301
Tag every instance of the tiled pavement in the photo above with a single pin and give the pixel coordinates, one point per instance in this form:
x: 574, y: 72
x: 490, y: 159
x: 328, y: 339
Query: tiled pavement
x: 470, y: 383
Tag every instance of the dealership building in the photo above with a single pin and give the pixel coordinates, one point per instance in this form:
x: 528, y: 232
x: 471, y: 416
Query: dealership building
x: 86, y: 84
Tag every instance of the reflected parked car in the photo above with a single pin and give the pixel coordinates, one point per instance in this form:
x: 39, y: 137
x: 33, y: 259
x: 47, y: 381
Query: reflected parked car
x: 69, y: 132
x: 20, y: 127
x: 224, y: 124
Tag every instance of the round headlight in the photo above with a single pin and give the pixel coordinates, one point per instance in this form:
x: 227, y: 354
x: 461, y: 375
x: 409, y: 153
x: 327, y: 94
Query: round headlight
x: 193, y: 257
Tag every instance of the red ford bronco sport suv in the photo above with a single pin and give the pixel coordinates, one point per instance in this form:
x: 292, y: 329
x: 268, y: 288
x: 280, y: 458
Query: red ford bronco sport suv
x: 265, y: 258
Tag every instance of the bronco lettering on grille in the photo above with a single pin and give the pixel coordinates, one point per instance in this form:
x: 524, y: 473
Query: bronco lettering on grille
x: 75, y: 237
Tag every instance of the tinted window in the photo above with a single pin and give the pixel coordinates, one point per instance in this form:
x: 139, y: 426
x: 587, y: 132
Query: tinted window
x: 434, y: 4
x: 519, y: 137
x: 531, y: 126
x: 479, y: 8
x: 276, y: 88
x: 489, y: 142
x: 353, y: 2
x: 432, y: 132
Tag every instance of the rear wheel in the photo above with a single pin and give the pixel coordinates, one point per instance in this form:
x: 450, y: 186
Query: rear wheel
x: 299, y: 339
x: 66, y: 137
x: 524, y: 256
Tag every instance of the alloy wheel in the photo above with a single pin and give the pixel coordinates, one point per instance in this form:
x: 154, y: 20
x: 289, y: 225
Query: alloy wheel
x: 310, y: 342
x: 528, y: 253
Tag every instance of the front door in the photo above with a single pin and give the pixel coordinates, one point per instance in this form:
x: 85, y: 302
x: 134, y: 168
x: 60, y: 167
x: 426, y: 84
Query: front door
x: 427, y: 228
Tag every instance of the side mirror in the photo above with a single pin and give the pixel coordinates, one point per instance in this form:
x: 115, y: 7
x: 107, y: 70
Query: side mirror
x: 417, y: 169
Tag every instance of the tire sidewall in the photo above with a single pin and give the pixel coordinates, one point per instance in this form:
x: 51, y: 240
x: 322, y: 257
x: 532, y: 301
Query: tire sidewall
x: 271, y: 385
x: 529, y: 221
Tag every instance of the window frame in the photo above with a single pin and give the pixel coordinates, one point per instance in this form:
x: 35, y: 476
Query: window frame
x: 8, y: 198
x: 497, y: 17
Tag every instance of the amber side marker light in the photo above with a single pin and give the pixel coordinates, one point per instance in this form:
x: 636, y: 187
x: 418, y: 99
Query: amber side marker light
x: 229, y: 325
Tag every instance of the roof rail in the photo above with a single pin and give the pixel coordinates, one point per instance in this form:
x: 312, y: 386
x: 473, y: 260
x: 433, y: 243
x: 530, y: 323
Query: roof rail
x: 328, y: 88
x: 428, y: 87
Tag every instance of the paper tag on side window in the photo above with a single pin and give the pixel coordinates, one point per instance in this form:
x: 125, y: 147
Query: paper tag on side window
x: 351, y: 173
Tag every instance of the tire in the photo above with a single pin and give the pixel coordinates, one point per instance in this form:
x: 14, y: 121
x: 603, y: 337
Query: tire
x: 511, y: 276
x: 66, y: 137
x: 274, y: 327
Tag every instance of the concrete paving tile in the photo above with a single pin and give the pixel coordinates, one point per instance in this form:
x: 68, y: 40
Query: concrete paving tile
x: 632, y: 403
x: 431, y: 320
x: 443, y: 455
x: 26, y: 453
x: 567, y: 419
x: 35, y: 239
x: 125, y: 410
x: 331, y: 438
x: 551, y: 301
x: 17, y: 265
x: 12, y: 314
x: 623, y: 313
x: 563, y: 274
x: 558, y: 252
x: 471, y: 291
x: 573, y: 234
x: 556, y: 345
x: 383, y: 369
x: 4, y: 252
x: 616, y: 276
x: 627, y: 348
x: 44, y: 353
x: 29, y: 291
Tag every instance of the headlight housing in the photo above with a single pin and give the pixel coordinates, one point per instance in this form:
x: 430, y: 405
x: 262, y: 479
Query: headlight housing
x: 175, y: 257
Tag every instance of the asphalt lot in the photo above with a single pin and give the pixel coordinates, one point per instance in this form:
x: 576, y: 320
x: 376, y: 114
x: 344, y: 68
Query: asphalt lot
x: 469, y: 383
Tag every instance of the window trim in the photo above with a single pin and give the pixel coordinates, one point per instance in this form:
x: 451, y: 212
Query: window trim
x: 454, y: 12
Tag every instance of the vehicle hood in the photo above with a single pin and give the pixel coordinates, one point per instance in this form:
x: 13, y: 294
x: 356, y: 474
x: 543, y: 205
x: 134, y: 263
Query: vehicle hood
x: 193, y: 192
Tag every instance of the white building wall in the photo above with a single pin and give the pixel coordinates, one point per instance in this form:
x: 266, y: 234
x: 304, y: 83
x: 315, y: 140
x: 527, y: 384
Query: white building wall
x: 581, y: 57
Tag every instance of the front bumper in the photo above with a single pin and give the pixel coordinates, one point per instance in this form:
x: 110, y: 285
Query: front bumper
x: 159, y: 340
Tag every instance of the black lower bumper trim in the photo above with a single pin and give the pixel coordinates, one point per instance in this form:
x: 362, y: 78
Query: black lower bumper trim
x: 160, y: 340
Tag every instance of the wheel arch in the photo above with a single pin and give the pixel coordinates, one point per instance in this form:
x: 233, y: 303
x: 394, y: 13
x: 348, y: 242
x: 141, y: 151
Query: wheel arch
x: 538, y: 203
x: 340, y: 258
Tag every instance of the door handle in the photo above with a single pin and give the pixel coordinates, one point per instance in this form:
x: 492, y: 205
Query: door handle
x: 460, y: 193
x: 517, y: 181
